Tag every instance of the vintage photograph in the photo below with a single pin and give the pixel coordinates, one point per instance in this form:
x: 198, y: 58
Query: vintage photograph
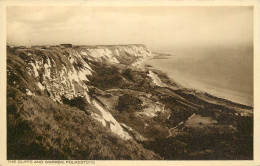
x: 130, y: 82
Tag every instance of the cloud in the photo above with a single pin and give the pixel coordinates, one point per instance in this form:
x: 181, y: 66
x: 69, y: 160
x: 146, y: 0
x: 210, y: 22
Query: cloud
x: 159, y: 27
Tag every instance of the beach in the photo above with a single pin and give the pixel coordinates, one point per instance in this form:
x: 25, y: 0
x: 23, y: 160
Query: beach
x: 221, y: 76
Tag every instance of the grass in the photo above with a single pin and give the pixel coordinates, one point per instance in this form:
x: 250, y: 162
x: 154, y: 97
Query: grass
x: 44, y: 129
x: 128, y: 102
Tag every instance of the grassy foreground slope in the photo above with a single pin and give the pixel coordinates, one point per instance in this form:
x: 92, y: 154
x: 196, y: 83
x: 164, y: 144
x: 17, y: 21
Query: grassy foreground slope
x: 39, y: 128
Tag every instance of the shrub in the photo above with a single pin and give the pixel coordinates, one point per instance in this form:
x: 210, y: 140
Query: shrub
x: 78, y: 102
x: 128, y: 103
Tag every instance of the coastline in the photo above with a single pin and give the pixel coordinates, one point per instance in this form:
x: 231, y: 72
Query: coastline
x: 188, y: 82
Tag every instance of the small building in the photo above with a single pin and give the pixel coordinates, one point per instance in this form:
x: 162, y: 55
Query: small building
x: 66, y: 45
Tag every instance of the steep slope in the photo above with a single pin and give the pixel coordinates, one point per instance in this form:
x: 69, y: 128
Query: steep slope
x: 61, y: 74
x: 91, y: 102
x: 38, y: 75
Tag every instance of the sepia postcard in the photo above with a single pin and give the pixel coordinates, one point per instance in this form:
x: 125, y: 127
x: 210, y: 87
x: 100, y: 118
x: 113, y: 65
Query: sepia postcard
x: 129, y: 83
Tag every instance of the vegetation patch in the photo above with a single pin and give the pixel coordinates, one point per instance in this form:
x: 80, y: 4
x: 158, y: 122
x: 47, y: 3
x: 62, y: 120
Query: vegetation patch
x: 128, y: 103
x: 78, y: 102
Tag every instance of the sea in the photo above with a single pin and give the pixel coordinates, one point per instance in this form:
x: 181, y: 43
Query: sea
x: 222, y: 72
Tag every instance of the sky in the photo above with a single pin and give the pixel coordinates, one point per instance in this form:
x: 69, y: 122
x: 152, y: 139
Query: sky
x: 160, y: 28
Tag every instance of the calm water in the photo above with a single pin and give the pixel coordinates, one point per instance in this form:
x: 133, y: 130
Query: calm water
x: 226, y: 73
